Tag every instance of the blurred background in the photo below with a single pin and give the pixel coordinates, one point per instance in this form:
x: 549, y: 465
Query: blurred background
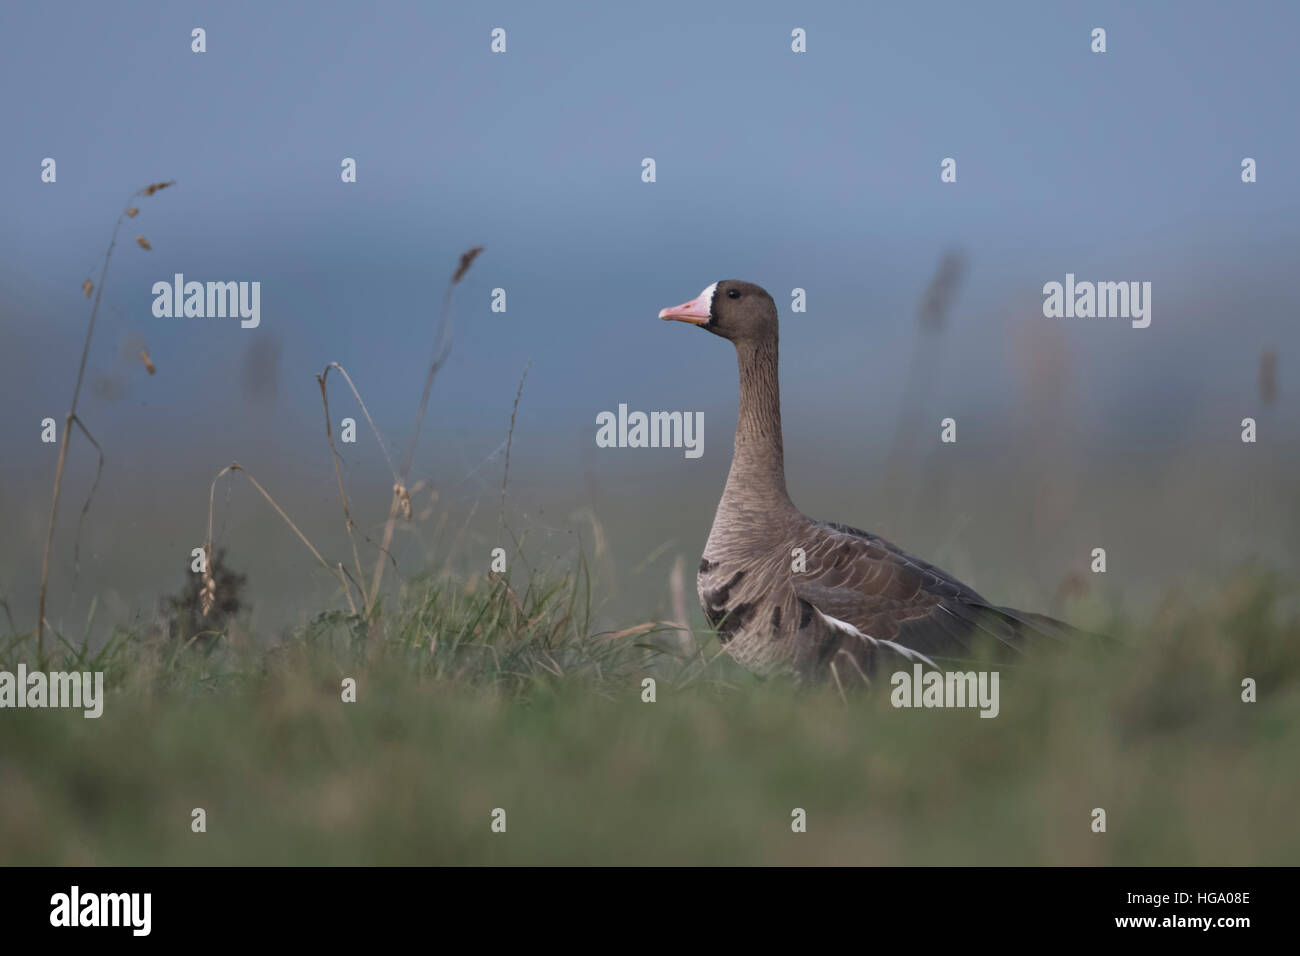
x: 817, y: 171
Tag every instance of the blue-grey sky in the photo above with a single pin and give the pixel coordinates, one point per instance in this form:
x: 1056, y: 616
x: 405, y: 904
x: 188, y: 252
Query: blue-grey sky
x: 818, y: 170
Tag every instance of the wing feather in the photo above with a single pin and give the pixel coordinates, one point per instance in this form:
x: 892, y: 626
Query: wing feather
x: 862, y: 586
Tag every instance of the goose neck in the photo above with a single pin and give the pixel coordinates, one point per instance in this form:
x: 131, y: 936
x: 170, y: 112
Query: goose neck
x: 758, y: 465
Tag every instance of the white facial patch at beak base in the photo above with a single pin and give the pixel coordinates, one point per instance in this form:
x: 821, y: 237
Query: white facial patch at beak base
x: 706, y: 298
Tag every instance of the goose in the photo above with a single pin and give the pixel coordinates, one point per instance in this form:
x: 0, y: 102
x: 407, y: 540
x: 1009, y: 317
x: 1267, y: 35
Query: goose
x: 816, y: 599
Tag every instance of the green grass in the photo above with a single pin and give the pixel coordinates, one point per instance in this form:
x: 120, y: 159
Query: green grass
x: 518, y: 705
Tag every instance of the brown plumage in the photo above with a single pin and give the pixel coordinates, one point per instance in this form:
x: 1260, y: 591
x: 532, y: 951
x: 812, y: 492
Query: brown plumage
x: 788, y: 593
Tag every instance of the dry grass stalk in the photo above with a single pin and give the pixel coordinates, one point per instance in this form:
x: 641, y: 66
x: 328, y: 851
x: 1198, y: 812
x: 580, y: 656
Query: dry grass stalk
x: 207, y: 545
x: 208, y: 596
x: 401, y: 496
x: 364, y: 410
x: 441, y: 349
x: 128, y: 212
x: 85, y: 508
x: 385, y: 544
x: 338, y: 472
x: 510, y: 436
x: 148, y: 362
x: 636, y: 630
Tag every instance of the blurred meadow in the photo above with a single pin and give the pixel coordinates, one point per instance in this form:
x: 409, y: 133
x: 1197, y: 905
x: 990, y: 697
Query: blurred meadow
x: 487, y: 700
x: 523, y: 689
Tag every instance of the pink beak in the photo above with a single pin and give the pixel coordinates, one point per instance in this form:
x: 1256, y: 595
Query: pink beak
x: 696, y: 311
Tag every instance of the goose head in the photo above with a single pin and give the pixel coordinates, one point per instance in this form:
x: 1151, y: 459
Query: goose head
x: 738, y: 311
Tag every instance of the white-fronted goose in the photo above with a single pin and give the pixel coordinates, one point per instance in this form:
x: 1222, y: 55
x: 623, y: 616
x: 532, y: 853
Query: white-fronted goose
x: 855, y: 601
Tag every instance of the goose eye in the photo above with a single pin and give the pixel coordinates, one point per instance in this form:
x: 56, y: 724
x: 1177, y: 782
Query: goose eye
x: 733, y: 294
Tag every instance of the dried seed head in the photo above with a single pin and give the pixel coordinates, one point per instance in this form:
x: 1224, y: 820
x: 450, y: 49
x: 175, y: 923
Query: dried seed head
x: 86, y: 287
x: 405, y: 498
x: 148, y: 362
x: 466, y: 260
x: 208, y: 597
x: 154, y: 187
x: 142, y: 242
x: 132, y: 213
